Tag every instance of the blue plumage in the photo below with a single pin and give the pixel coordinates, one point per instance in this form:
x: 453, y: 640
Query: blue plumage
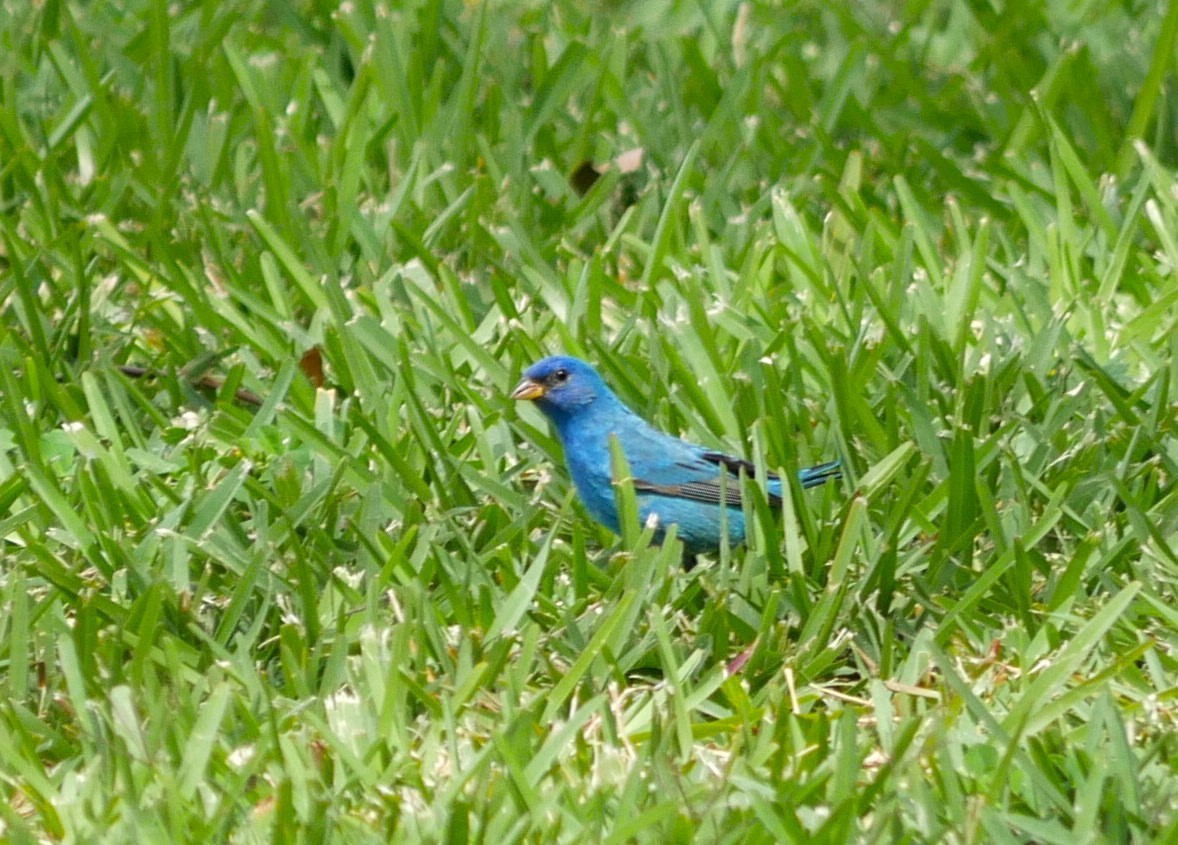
x: 675, y: 482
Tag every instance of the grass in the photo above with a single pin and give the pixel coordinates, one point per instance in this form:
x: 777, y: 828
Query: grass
x: 240, y: 603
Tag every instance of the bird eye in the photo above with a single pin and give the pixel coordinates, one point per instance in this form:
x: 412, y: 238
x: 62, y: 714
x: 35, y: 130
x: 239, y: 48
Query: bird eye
x: 560, y: 376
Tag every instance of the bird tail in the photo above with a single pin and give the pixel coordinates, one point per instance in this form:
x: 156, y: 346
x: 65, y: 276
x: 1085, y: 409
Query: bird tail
x: 820, y: 474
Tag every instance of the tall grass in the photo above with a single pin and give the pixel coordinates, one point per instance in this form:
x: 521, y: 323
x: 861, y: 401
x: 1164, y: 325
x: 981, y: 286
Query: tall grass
x: 243, y: 601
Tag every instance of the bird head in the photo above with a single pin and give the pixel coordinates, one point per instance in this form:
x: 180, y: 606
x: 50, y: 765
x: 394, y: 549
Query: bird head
x: 560, y: 385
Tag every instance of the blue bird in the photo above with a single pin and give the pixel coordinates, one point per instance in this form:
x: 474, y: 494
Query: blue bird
x: 675, y: 482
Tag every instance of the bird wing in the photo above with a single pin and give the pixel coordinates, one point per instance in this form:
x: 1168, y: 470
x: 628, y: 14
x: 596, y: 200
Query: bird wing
x: 663, y: 465
x: 707, y: 492
x: 712, y: 478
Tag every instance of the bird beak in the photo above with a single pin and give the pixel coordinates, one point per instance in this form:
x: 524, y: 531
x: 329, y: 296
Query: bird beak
x: 528, y: 389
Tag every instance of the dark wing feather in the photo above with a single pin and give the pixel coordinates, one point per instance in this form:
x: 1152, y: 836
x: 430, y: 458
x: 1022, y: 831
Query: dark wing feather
x: 708, y: 492
x: 723, y: 489
x: 734, y: 465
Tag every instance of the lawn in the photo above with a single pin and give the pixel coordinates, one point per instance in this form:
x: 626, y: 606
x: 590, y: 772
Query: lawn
x: 280, y: 561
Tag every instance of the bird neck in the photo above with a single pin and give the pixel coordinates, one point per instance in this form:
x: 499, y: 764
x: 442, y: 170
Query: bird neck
x: 586, y: 422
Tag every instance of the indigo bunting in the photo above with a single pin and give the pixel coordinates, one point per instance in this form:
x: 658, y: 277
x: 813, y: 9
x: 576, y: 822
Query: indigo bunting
x: 675, y: 482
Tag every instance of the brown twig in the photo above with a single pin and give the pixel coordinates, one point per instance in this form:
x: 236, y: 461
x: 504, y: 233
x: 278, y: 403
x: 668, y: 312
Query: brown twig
x: 205, y: 382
